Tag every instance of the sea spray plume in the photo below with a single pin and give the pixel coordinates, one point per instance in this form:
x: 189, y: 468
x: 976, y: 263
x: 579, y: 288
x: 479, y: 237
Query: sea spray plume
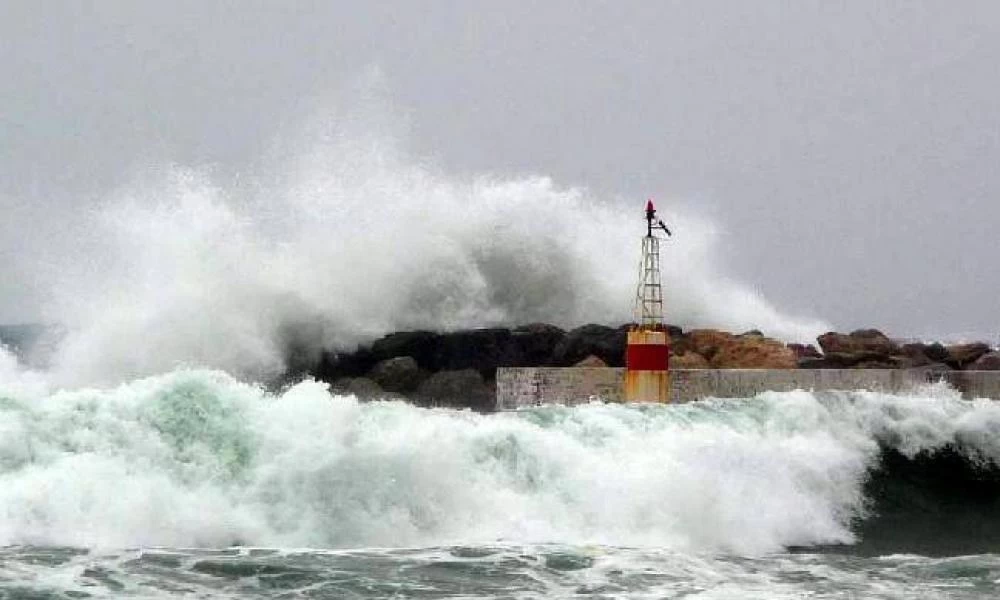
x: 183, y: 279
x: 350, y: 238
x: 17, y: 381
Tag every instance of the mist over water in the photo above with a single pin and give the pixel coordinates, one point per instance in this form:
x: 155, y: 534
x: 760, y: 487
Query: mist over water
x: 340, y: 236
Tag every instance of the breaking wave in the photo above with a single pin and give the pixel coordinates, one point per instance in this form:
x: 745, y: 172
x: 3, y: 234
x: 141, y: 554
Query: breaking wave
x: 195, y: 458
x: 338, y: 236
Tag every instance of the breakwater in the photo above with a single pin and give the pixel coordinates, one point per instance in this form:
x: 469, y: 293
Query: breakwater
x: 475, y: 368
x: 532, y: 386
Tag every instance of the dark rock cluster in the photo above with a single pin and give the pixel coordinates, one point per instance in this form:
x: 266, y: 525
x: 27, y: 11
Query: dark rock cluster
x: 872, y: 349
x: 434, y: 368
x: 459, y: 368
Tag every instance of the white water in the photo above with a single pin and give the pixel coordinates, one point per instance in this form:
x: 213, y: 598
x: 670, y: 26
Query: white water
x: 338, y: 236
x: 195, y: 458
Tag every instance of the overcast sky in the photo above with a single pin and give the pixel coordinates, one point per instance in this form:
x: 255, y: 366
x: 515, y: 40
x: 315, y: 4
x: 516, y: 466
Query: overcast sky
x: 849, y: 151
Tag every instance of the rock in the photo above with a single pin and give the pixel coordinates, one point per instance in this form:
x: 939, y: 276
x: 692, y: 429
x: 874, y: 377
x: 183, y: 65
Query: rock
x: 805, y: 351
x: 422, y: 346
x: 936, y: 352
x: 962, y: 355
x: 481, y: 349
x: 987, y: 362
x: 400, y: 374
x: 591, y: 362
x: 341, y: 386
x: 335, y: 365
x: 464, y: 388
x: 604, y: 342
x: 909, y: 362
x: 854, y: 360
x: 920, y: 352
x: 809, y: 362
x: 362, y: 387
x: 754, y: 352
x: 689, y: 360
x: 913, y: 356
x: 536, y: 343
x: 678, y: 343
x: 862, y: 340
x: 750, y: 350
x: 707, y: 342
x: 847, y: 360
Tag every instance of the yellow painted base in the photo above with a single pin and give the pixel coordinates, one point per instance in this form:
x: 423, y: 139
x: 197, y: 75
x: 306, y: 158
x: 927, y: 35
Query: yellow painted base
x: 647, y: 386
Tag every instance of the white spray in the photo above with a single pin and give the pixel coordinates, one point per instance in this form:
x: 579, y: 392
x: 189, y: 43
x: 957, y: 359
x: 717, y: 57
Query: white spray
x: 341, y: 237
x: 195, y: 458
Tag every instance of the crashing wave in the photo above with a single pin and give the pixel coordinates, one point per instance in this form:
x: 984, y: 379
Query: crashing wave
x: 196, y: 458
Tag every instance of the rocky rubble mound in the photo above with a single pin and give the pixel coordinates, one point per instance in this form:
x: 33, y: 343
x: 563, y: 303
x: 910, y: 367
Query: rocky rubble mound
x: 459, y: 368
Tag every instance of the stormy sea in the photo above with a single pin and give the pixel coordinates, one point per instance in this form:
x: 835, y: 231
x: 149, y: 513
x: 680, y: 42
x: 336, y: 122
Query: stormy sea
x: 195, y: 484
x: 139, y: 458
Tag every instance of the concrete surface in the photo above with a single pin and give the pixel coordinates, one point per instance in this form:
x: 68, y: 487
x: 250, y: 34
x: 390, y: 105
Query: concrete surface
x: 531, y: 386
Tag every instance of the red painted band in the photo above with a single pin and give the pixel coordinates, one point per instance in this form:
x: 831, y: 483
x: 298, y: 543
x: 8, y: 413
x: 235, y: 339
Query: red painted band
x: 647, y: 357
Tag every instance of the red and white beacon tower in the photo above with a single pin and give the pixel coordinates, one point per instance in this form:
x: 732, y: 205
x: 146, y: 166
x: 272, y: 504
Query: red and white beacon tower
x: 647, y: 356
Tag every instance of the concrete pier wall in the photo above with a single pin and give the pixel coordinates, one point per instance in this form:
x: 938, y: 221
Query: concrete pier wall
x: 531, y: 386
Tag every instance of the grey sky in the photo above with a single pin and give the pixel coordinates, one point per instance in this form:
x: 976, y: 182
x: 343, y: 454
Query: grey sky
x: 849, y: 150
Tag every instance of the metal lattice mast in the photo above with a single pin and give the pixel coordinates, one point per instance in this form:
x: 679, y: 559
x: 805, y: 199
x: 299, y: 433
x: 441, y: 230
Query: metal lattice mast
x: 649, y: 294
x: 648, y: 311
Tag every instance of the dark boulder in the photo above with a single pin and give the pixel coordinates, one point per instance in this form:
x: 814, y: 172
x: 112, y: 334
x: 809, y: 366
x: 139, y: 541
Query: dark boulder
x: 862, y: 340
x: 335, y: 365
x: 678, y: 343
x: 400, y: 374
x: 810, y: 362
x: 913, y: 355
x: 463, y: 388
x: 805, y: 351
x: 604, y: 342
x: 536, y: 343
x: 340, y: 386
x: 936, y: 352
x: 848, y: 360
x: 481, y: 349
x: 962, y: 355
x: 986, y: 362
x: 363, y: 388
x: 422, y: 346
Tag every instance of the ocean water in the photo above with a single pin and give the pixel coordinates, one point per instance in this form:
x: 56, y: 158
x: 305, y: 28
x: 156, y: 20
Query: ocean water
x: 194, y: 484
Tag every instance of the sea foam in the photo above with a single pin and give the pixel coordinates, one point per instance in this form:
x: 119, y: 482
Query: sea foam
x: 196, y: 458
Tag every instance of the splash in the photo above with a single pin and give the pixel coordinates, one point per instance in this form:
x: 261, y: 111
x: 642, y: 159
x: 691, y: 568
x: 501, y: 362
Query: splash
x: 16, y: 380
x: 341, y: 236
x: 195, y: 458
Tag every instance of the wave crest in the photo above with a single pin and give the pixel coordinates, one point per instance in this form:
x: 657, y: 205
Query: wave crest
x: 194, y: 458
